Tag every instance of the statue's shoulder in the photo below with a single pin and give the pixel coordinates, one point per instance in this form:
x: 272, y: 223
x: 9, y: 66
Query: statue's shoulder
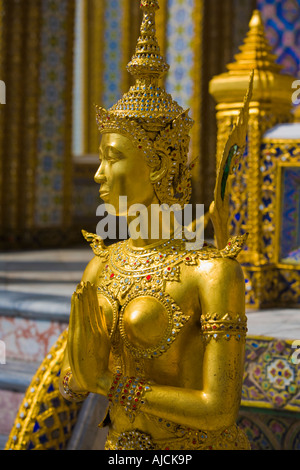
x: 97, y: 244
x: 231, y: 250
x: 209, y: 252
x: 223, y: 270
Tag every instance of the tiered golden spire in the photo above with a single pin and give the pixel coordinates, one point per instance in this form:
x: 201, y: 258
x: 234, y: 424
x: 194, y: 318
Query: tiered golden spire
x: 256, y: 52
x: 270, y: 85
x: 147, y: 64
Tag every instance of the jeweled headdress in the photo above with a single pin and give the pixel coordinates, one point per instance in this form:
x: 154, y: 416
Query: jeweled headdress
x: 149, y: 116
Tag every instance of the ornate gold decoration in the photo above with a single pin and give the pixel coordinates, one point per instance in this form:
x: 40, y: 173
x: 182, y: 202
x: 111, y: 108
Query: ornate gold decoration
x: 175, y: 321
x: 96, y: 244
x: 74, y: 396
x: 224, y: 326
x: 269, y: 105
x: 128, y: 392
x: 229, y: 439
x: 130, y: 271
x: 229, y: 163
x: 130, y: 274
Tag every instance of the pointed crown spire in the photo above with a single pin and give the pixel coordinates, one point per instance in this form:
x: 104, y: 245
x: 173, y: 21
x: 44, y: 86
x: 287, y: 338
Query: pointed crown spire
x: 147, y: 63
x: 147, y: 102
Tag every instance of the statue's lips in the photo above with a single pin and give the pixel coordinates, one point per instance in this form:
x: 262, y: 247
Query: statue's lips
x: 104, y: 194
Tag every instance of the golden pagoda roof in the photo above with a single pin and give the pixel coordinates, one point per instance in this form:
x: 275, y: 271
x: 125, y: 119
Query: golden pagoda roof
x: 270, y: 84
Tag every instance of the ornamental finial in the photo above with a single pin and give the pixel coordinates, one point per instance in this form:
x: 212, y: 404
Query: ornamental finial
x: 147, y: 64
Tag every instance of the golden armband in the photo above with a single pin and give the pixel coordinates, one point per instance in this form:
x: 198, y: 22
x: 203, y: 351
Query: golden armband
x: 224, y: 326
x: 75, y: 396
x: 128, y: 392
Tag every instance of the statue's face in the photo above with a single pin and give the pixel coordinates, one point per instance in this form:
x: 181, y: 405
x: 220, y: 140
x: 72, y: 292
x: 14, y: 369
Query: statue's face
x: 123, y: 171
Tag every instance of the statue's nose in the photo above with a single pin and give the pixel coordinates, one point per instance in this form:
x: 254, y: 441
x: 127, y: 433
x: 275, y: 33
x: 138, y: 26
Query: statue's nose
x: 100, y: 175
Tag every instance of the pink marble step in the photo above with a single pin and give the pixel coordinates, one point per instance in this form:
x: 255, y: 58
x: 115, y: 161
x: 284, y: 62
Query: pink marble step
x: 29, y: 339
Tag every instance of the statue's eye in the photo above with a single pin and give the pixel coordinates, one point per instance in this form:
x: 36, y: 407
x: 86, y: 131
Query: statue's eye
x: 112, y: 154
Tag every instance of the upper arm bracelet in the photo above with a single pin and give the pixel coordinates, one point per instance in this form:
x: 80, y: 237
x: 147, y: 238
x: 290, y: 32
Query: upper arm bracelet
x: 224, y: 326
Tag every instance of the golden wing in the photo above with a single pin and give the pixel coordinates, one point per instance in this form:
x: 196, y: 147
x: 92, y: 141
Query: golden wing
x: 232, y: 153
x: 96, y: 243
x: 45, y: 420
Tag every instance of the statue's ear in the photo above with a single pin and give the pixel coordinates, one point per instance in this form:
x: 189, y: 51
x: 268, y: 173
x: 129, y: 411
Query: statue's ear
x: 161, y: 170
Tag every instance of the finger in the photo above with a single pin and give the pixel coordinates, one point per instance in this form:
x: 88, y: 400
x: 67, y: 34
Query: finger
x: 78, y: 338
x: 72, y: 331
x: 95, y: 311
x: 71, y: 328
x: 87, y: 307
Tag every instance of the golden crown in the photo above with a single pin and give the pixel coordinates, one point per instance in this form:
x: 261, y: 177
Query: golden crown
x: 148, y: 108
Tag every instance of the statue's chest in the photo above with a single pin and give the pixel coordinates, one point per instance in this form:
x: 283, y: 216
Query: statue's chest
x: 132, y: 292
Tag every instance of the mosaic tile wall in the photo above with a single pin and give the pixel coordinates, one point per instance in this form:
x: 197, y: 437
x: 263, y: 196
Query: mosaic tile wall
x: 53, y: 170
x: 180, y: 55
x: 113, y: 53
x: 282, y: 22
x: 271, y: 394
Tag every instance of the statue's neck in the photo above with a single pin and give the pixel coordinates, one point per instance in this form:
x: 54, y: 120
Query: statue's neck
x: 151, y: 226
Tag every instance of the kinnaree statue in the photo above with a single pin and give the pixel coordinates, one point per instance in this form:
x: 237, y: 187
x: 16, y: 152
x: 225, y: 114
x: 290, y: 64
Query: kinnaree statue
x: 158, y: 329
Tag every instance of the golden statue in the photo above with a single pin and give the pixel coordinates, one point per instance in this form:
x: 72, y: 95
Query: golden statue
x: 155, y: 327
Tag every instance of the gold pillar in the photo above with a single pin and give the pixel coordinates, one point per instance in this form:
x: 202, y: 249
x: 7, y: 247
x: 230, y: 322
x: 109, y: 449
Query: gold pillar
x: 93, y: 16
x: 39, y: 93
x: 14, y: 51
x: 197, y: 99
x: 2, y: 111
x: 20, y: 57
x: 271, y: 104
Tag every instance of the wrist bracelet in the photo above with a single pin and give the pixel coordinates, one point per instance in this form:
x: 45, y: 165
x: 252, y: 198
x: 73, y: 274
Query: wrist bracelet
x: 77, y: 396
x: 129, y: 393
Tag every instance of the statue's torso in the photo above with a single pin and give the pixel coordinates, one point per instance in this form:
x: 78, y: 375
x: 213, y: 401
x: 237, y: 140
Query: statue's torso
x: 152, y: 303
x: 152, y: 307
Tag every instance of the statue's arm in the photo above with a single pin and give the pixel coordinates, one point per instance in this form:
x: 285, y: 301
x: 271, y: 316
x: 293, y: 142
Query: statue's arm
x: 216, y: 405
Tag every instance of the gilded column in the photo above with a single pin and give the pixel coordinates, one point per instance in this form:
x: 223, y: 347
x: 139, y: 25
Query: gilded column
x: 13, y: 132
x: 197, y: 101
x: 93, y: 18
x: 26, y: 202
x: 18, y: 139
x: 2, y: 112
x: 184, y: 53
